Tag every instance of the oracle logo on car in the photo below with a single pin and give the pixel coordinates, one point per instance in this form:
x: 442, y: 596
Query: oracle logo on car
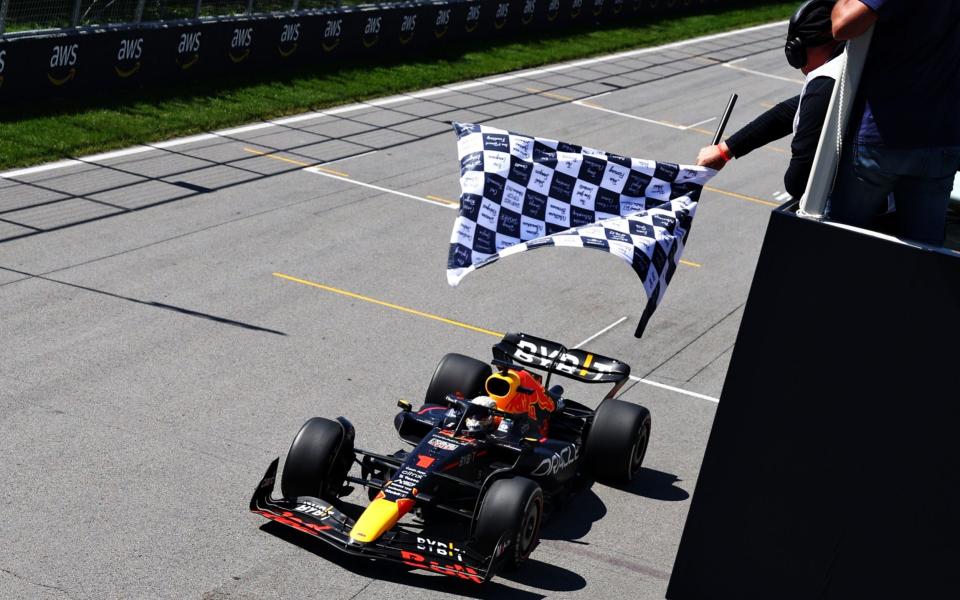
x: 556, y: 463
x: 128, y: 57
x: 188, y: 50
x: 63, y: 60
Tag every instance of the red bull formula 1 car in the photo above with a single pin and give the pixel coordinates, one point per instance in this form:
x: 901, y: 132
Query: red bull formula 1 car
x: 491, y: 451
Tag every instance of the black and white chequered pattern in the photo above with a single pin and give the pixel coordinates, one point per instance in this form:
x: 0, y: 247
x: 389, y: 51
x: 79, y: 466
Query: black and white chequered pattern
x: 521, y: 192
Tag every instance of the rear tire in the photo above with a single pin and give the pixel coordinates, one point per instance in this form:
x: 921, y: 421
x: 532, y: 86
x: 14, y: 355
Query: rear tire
x: 617, y: 441
x: 511, y: 507
x: 318, y: 460
x: 457, y: 374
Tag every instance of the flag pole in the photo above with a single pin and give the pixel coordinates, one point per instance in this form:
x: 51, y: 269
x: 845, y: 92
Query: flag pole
x: 723, y: 119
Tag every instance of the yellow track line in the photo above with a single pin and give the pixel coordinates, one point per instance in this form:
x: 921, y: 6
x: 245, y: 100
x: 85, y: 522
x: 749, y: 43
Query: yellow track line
x: 550, y: 95
x: 690, y: 264
x: 295, y: 162
x: 740, y: 196
x: 388, y: 304
x: 439, y: 199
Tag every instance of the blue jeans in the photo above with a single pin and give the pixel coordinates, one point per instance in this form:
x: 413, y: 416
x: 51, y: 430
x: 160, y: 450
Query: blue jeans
x: 920, y: 179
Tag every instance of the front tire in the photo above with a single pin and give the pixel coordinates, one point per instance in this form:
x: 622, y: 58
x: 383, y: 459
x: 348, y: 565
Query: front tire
x: 617, y: 441
x: 318, y: 459
x: 511, y: 507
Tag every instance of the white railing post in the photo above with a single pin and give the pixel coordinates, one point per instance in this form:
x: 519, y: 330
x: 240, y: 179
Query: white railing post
x: 813, y: 203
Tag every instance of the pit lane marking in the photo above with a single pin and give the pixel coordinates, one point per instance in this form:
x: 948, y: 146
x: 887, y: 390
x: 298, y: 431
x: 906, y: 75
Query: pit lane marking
x: 496, y: 334
x: 318, y: 169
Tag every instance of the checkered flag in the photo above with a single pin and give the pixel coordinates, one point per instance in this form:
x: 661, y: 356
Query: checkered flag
x: 521, y: 192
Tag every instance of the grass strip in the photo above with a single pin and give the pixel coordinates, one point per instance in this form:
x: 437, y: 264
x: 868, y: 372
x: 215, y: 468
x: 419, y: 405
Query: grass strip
x: 46, y: 131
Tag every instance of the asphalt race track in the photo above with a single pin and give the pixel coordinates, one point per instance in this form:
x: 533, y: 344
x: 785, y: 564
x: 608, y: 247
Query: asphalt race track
x: 173, y: 313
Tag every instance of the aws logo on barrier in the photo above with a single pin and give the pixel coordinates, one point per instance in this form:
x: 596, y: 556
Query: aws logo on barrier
x: 473, y: 18
x: 408, y: 25
x: 529, y: 9
x: 575, y: 8
x: 63, y: 64
x: 597, y: 7
x: 240, y: 44
x: 128, y: 57
x: 553, y: 10
x: 3, y: 65
x: 371, y: 32
x: 289, y: 35
x: 331, y: 34
x: 500, y: 17
x: 188, y: 50
x: 617, y: 6
x: 442, y: 23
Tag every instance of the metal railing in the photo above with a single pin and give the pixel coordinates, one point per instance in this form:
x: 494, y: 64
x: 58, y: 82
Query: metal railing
x: 36, y: 15
x: 813, y: 203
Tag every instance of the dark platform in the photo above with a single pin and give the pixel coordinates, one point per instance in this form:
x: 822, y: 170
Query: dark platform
x: 833, y: 466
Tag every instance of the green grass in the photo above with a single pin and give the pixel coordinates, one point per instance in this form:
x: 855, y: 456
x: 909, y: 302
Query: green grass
x: 41, y: 132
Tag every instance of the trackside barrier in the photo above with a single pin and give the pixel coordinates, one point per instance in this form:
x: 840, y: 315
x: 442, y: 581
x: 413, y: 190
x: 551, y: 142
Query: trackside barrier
x: 832, y: 470
x: 96, y: 60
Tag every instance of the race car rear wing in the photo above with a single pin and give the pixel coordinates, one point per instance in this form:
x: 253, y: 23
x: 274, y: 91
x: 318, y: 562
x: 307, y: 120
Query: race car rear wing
x: 544, y: 355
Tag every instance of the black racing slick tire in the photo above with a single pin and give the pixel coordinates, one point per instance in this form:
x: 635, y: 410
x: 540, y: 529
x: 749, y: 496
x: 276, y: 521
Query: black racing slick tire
x: 511, y: 508
x: 318, y: 459
x: 617, y: 441
x: 457, y: 374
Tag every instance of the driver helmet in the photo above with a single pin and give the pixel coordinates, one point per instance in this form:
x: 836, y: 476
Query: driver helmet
x: 482, y: 421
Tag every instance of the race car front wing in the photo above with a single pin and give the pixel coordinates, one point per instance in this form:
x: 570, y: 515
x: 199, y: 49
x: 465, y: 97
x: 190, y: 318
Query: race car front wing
x: 324, y: 521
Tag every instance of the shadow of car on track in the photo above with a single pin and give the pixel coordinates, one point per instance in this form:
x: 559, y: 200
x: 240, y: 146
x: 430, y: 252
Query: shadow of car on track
x: 575, y: 517
x: 656, y: 485
x: 533, y: 573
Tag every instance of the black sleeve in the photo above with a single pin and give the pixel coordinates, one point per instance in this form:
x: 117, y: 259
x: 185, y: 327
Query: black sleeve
x: 772, y: 125
x: 813, y: 112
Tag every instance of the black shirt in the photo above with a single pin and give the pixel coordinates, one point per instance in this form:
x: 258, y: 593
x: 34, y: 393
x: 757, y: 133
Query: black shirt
x: 777, y: 122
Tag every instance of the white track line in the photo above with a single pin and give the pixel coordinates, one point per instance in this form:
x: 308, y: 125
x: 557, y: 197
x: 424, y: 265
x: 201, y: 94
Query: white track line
x: 699, y: 123
x: 731, y: 65
x: 380, y: 102
x: 601, y: 332
x: 316, y: 171
x: 629, y: 116
x: 675, y: 389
